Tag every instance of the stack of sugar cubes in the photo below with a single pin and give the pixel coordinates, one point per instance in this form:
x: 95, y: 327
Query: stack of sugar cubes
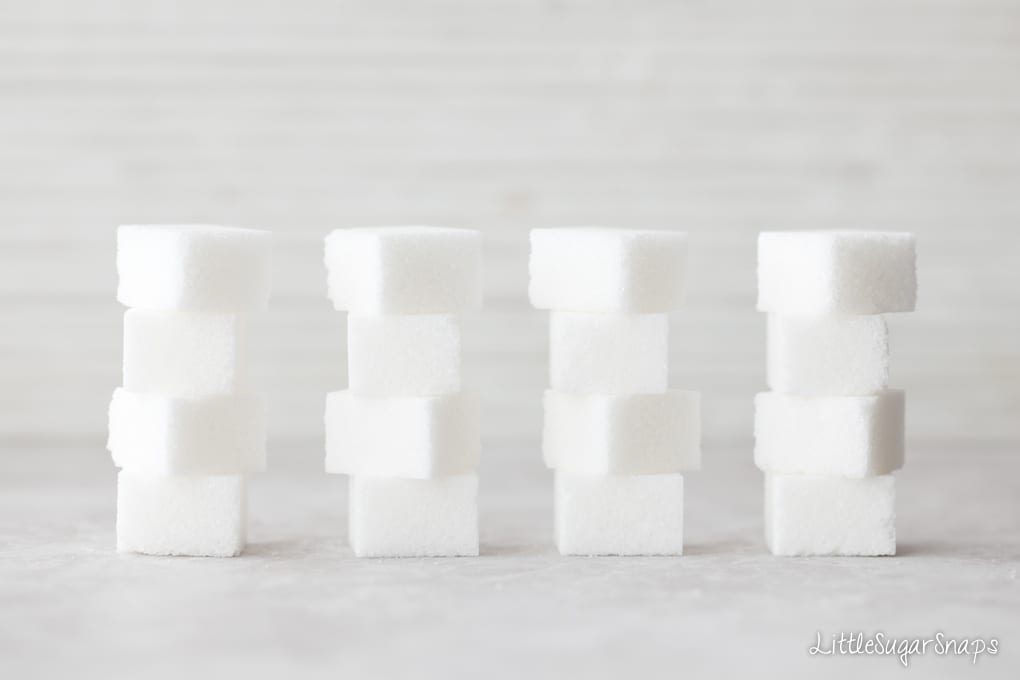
x: 830, y: 433
x: 185, y: 428
x: 617, y: 438
x: 404, y: 430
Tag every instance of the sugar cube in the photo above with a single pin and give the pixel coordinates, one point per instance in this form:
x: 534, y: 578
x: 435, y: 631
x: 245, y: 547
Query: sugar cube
x: 393, y: 517
x: 184, y: 354
x: 156, y: 434
x: 193, y: 267
x: 415, y: 437
x: 404, y: 270
x: 607, y: 270
x: 175, y: 515
x: 840, y: 436
x: 836, y: 272
x: 619, y: 515
x: 622, y: 434
x: 812, y: 515
x: 608, y: 353
x: 404, y: 355
x: 828, y: 355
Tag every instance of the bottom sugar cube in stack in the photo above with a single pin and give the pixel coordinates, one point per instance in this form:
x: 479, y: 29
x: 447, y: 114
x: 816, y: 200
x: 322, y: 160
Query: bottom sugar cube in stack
x: 619, y: 515
x: 818, y: 515
x: 396, y: 517
x: 178, y: 515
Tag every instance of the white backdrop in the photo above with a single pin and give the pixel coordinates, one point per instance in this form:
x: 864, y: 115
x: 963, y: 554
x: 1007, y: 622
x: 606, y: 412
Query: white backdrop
x: 722, y: 119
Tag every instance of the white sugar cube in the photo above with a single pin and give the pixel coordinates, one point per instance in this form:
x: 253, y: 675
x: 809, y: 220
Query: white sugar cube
x: 404, y: 270
x: 156, y: 434
x: 161, y: 515
x: 839, y: 436
x: 622, y: 434
x: 608, y: 353
x: 193, y: 267
x: 415, y: 437
x: 809, y: 515
x: 184, y: 354
x: 607, y: 270
x: 620, y: 515
x: 406, y: 355
x: 836, y: 272
x: 391, y: 517
x: 828, y: 355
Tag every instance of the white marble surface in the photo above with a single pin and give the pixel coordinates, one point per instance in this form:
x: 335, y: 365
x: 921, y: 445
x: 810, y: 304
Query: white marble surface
x: 298, y: 604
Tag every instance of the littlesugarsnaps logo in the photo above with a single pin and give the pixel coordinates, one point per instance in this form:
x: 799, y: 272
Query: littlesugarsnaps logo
x: 879, y: 644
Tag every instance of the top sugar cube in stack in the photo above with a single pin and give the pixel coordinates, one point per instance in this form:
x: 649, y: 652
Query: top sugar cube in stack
x: 404, y: 430
x: 616, y: 436
x: 830, y: 433
x: 185, y: 427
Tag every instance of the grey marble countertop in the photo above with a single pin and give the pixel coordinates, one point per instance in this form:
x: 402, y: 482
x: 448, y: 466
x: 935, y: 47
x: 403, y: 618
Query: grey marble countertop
x: 298, y: 604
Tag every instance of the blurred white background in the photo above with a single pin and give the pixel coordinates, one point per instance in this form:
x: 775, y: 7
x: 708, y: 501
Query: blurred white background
x: 719, y: 118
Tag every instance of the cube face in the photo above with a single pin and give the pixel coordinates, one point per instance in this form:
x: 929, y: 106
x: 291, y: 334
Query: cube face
x: 391, y: 517
x: 607, y: 270
x: 619, y: 515
x: 175, y: 515
x: 812, y: 515
x: 876, y: 273
x: 157, y: 435
x: 622, y: 435
x: 836, y: 272
x: 413, y: 437
x: 404, y: 270
x: 406, y: 355
x: 608, y: 353
x: 353, y: 262
x: 828, y: 355
x: 184, y: 354
x: 838, y: 436
x: 193, y: 267
x: 795, y: 273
